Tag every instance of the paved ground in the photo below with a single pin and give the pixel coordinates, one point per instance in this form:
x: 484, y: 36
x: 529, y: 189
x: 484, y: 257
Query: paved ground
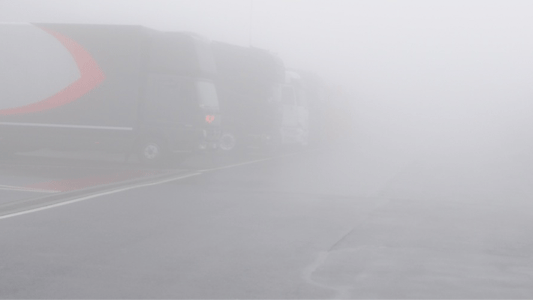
x: 365, y: 221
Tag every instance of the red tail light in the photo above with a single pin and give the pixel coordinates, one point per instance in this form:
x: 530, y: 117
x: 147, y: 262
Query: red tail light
x: 209, y: 118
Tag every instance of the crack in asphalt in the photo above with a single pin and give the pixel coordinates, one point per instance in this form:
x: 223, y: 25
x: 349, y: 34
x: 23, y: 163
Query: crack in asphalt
x: 343, y: 291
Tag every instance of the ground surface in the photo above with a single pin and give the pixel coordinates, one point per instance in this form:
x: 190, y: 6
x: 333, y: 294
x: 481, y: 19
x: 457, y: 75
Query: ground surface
x: 355, y: 221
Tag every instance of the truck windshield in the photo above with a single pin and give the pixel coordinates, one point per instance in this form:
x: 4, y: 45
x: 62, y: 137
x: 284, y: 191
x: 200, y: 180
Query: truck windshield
x: 207, y: 94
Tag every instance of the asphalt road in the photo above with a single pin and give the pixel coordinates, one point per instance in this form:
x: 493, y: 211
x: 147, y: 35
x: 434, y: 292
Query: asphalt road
x: 360, y: 221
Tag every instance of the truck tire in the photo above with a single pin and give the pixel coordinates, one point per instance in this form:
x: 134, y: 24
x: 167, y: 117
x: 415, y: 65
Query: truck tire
x: 228, y: 141
x: 152, y: 152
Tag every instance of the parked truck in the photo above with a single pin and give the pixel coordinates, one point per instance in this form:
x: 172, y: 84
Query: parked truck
x: 260, y: 100
x: 295, y: 107
x: 318, y: 103
x: 115, y: 88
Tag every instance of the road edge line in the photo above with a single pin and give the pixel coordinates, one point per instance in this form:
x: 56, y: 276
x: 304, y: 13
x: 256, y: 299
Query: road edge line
x: 96, y: 195
x: 123, y: 189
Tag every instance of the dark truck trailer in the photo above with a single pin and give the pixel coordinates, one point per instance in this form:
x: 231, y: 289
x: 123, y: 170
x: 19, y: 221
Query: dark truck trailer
x: 257, y: 101
x: 116, y: 88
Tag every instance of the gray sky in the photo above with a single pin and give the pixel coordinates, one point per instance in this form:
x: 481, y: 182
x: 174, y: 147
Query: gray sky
x: 436, y: 66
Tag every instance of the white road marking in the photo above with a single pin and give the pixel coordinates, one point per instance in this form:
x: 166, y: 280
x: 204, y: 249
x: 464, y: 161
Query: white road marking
x: 65, y: 126
x: 94, y: 168
x: 24, y: 189
x: 197, y: 173
x: 97, y: 195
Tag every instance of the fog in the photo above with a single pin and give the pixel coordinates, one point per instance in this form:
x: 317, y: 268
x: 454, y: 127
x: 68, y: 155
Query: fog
x: 421, y: 75
x: 423, y: 192
x: 455, y: 69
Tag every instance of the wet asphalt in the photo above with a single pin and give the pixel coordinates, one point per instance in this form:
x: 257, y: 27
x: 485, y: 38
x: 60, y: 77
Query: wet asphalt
x: 347, y: 221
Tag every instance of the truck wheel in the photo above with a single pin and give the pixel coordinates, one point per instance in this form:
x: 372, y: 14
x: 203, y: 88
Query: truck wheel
x: 227, y: 141
x: 151, y: 152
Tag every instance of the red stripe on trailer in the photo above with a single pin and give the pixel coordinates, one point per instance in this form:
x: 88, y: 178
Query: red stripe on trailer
x: 91, y: 77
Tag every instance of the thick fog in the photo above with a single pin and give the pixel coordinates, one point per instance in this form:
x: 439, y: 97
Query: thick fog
x: 420, y: 186
x: 421, y: 76
x: 417, y: 71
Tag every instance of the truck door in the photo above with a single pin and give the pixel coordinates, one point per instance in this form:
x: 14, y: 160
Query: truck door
x: 169, y: 109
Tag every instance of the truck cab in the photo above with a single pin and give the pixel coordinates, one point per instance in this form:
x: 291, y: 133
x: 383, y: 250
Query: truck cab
x: 295, y: 113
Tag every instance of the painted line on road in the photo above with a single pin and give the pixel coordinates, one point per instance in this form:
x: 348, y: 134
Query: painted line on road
x: 103, y: 168
x: 119, y: 190
x: 67, y: 185
x: 24, y: 189
x: 97, y: 195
